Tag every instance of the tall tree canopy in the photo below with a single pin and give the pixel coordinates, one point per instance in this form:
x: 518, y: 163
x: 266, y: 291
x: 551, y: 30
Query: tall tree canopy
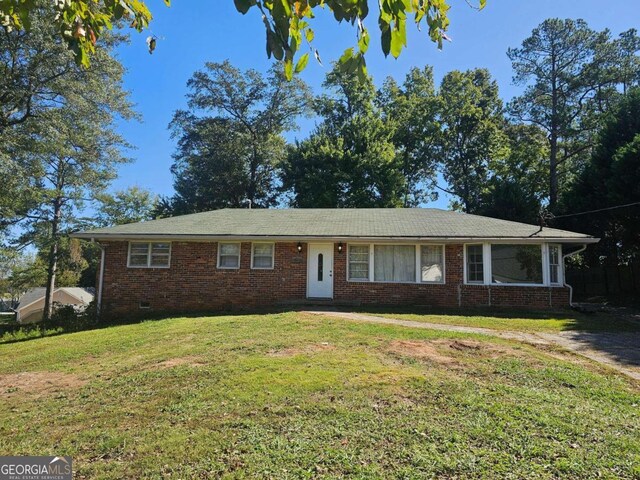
x: 517, y: 185
x: 131, y: 205
x: 611, y: 178
x: 59, y: 127
x: 349, y: 160
x: 571, y: 74
x: 288, y: 24
x: 411, y: 110
x: 230, y: 141
x: 37, y: 77
x: 472, y: 134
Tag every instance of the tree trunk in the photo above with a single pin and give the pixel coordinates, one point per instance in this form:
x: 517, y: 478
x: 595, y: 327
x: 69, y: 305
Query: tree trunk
x: 553, y: 170
x: 253, y: 174
x: 553, y: 138
x: 53, y: 261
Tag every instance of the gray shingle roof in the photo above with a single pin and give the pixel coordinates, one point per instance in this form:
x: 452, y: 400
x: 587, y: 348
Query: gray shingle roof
x: 36, y: 293
x: 397, y: 223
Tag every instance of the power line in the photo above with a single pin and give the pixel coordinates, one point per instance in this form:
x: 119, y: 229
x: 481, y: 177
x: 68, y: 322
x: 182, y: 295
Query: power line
x: 598, y: 210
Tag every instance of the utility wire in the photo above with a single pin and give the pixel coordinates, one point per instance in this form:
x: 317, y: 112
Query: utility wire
x: 595, y: 211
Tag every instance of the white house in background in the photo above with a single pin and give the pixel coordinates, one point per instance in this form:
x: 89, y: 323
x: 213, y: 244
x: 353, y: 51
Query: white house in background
x: 31, y: 305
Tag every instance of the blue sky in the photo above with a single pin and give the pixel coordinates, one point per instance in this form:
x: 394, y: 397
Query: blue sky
x: 192, y: 32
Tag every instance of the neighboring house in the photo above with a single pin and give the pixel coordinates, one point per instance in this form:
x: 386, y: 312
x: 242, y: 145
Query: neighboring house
x: 30, y: 308
x: 239, y: 258
x: 7, y: 304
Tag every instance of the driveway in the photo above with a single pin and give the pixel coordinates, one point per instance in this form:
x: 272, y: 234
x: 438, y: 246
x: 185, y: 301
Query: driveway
x: 618, y: 350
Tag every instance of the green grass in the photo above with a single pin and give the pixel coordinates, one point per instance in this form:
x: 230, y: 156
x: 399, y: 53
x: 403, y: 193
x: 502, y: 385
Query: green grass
x: 513, y: 320
x: 298, y: 396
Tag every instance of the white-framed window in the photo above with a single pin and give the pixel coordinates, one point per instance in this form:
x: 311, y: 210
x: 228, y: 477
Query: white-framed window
x: 516, y: 264
x: 358, y: 268
x: 262, y: 256
x: 394, y: 263
x: 432, y: 263
x: 554, y: 265
x: 149, y: 255
x: 229, y: 255
x: 474, y: 263
x: 519, y: 264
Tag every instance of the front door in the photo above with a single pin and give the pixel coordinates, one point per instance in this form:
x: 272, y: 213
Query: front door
x: 320, y: 270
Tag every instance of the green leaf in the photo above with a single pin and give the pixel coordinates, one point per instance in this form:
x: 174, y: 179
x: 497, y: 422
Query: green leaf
x: 363, y: 41
x: 286, y: 7
x: 167, y: 3
x: 398, y: 37
x: 386, y: 41
x: 362, y: 69
x: 302, y: 63
x: 274, y: 45
x: 243, y: 6
x: 288, y: 69
x: 309, y: 34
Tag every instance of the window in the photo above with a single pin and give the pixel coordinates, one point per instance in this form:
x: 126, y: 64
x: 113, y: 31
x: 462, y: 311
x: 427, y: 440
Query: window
x: 516, y: 264
x: 262, y: 257
x: 554, y: 264
x: 475, y: 264
x: 358, y: 262
x: 394, y: 263
x: 320, y: 266
x: 432, y: 263
x: 149, y: 255
x: 228, y: 255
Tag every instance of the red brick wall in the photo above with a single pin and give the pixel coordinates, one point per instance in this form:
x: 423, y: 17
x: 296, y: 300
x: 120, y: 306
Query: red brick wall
x: 193, y: 283
x: 451, y: 294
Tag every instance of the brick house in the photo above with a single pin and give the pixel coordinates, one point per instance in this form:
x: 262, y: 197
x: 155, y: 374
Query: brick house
x: 239, y: 258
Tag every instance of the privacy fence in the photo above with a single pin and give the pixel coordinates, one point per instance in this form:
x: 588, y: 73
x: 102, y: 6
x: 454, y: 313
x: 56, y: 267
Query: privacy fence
x: 605, y: 280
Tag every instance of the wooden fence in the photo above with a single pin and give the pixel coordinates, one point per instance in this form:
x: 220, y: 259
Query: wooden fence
x: 605, y: 280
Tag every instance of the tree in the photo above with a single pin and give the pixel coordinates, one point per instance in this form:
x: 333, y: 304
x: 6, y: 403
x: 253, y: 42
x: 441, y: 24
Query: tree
x: 517, y: 185
x: 472, y: 137
x: 570, y: 73
x: 17, y: 274
x: 76, y: 158
x: 507, y: 199
x: 349, y: 160
x: 67, y: 155
x: 611, y: 178
x: 131, y: 205
x: 38, y: 75
x: 287, y: 22
x: 412, y: 111
x: 229, y: 159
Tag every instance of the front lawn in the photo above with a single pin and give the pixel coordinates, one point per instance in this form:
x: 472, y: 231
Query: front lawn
x: 513, y: 319
x: 300, y: 396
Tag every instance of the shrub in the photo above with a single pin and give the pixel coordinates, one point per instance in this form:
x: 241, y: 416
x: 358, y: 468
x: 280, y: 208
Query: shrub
x: 71, y: 318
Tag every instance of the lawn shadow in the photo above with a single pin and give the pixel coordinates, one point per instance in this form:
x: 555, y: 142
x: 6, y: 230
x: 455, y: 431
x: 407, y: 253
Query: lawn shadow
x: 572, y: 319
x: 36, y: 331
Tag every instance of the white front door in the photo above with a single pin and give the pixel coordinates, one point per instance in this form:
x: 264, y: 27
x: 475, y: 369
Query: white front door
x: 320, y: 270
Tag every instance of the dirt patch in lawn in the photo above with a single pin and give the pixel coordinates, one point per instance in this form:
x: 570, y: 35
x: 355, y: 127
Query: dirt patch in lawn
x: 38, y: 383
x: 451, y: 352
x: 180, y: 361
x: 421, y: 349
x: 304, y: 349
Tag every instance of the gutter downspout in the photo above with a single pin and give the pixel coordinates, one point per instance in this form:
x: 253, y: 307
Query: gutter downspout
x: 100, y: 277
x: 564, y: 277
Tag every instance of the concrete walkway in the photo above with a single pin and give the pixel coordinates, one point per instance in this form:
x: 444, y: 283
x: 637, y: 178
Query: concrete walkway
x: 618, y: 350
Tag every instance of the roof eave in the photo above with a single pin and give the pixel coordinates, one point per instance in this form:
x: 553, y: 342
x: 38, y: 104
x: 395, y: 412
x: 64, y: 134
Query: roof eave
x: 290, y: 238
